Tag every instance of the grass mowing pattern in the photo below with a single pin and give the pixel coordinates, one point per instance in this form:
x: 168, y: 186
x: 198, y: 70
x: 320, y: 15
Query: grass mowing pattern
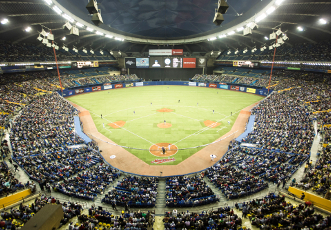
x: 138, y: 107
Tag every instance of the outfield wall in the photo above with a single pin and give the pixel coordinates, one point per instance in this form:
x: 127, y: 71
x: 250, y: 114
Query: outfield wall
x: 108, y: 86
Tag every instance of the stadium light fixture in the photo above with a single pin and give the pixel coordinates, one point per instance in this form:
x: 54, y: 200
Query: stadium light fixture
x: 80, y: 25
x: 64, y: 38
x: 231, y: 32
x: 89, y: 29
x: 91, y: 51
x: 212, y: 39
x: 237, y: 51
x: 101, y: 52
x: 57, y: 10
x: 39, y: 38
x: 99, y: 33
x: 300, y: 28
x: 49, y: 2
x: 260, y: 17
x: 270, y: 10
x: 111, y: 52
x: 266, y: 38
x: 109, y: 36
x: 322, y: 21
x: 212, y: 52
x: 278, y: 2
x: 70, y: 19
x: 119, y: 39
x: 4, y: 21
x: 222, y: 36
x: 119, y: 52
x: 28, y: 29
x: 240, y: 29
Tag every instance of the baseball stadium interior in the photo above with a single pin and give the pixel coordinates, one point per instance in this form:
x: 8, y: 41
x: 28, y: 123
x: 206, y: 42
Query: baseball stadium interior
x: 165, y: 114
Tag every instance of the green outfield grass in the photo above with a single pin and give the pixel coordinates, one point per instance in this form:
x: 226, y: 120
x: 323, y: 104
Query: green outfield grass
x: 138, y: 108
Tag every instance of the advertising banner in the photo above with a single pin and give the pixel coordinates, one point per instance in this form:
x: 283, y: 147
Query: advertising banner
x: 242, y: 89
x: 250, y: 90
x: 165, y: 52
x: 70, y: 93
x: 160, y: 52
x: 96, y: 88
x: 224, y: 87
x: 95, y: 64
x: 129, y: 85
x: 139, y: 83
x: 263, y: 92
x: 77, y: 91
x: 202, y: 84
x: 192, y: 84
x: 130, y: 63
x: 118, y: 86
x: 189, y: 62
x: 233, y: 87
x: 89, y: 89
x: 178, y: 52
x: 212, y: 85
x: 142, y: 62
x: 107, y: 86
x: 201, y: 62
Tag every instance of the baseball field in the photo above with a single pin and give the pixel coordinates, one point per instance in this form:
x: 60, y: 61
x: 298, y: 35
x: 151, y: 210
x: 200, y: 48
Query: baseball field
x: 181, y: 119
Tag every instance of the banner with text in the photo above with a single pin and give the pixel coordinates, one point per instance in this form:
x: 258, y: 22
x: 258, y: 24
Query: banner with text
x: 165, y: 52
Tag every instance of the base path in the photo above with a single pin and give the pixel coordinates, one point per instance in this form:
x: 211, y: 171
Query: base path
x: 117, y: 124
x: 128, y: 162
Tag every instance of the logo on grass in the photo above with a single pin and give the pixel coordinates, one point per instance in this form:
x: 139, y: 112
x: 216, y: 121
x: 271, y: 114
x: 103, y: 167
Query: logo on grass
x: 160, y: 161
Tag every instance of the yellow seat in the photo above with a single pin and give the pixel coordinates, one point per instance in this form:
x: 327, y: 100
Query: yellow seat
x: 100, y: 223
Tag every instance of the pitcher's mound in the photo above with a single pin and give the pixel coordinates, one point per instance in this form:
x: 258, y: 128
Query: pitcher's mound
x: 211, y: 124
x: 156, y: 149
x: 165, y: 110
x: 164, y: 126
x: 117, y: 124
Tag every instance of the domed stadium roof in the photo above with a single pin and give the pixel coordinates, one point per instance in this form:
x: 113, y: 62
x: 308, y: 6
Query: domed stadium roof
x: 146, y: 24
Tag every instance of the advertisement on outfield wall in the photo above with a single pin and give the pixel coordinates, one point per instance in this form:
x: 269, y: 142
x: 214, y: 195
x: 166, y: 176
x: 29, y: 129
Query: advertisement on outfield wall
x: 250, y: 90
x: 192, y: 84
x: 107, y: 86
x: 189, y: 62
x: 79, y: 91
x: 202, y: 84
x: 118, y: 86
x: 89, y: 89
x: 129, y: 85
x: 263, y: 92
x: 223, y: 86
x: 96, y: 88
x: 139, y: 83
x: 177, y: 52
x: 233, y: 87
x: 242, y: 89
x: 70, y: 93
x: 212, y: 85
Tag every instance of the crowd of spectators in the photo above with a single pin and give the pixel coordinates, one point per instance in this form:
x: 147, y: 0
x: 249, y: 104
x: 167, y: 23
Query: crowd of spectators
x: 184, y: 191
x: 318, y: 177
x: 222, y: 218
x: 8, y: 183
x: 17, y: 217
x: 133, y: 191
x: 88, y: 184
x: 274, y: 212
x: 45, y: 125
x: 283, y: 123
x: 273, y: 166
x: 102, y: 219
x: 233, y: 182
